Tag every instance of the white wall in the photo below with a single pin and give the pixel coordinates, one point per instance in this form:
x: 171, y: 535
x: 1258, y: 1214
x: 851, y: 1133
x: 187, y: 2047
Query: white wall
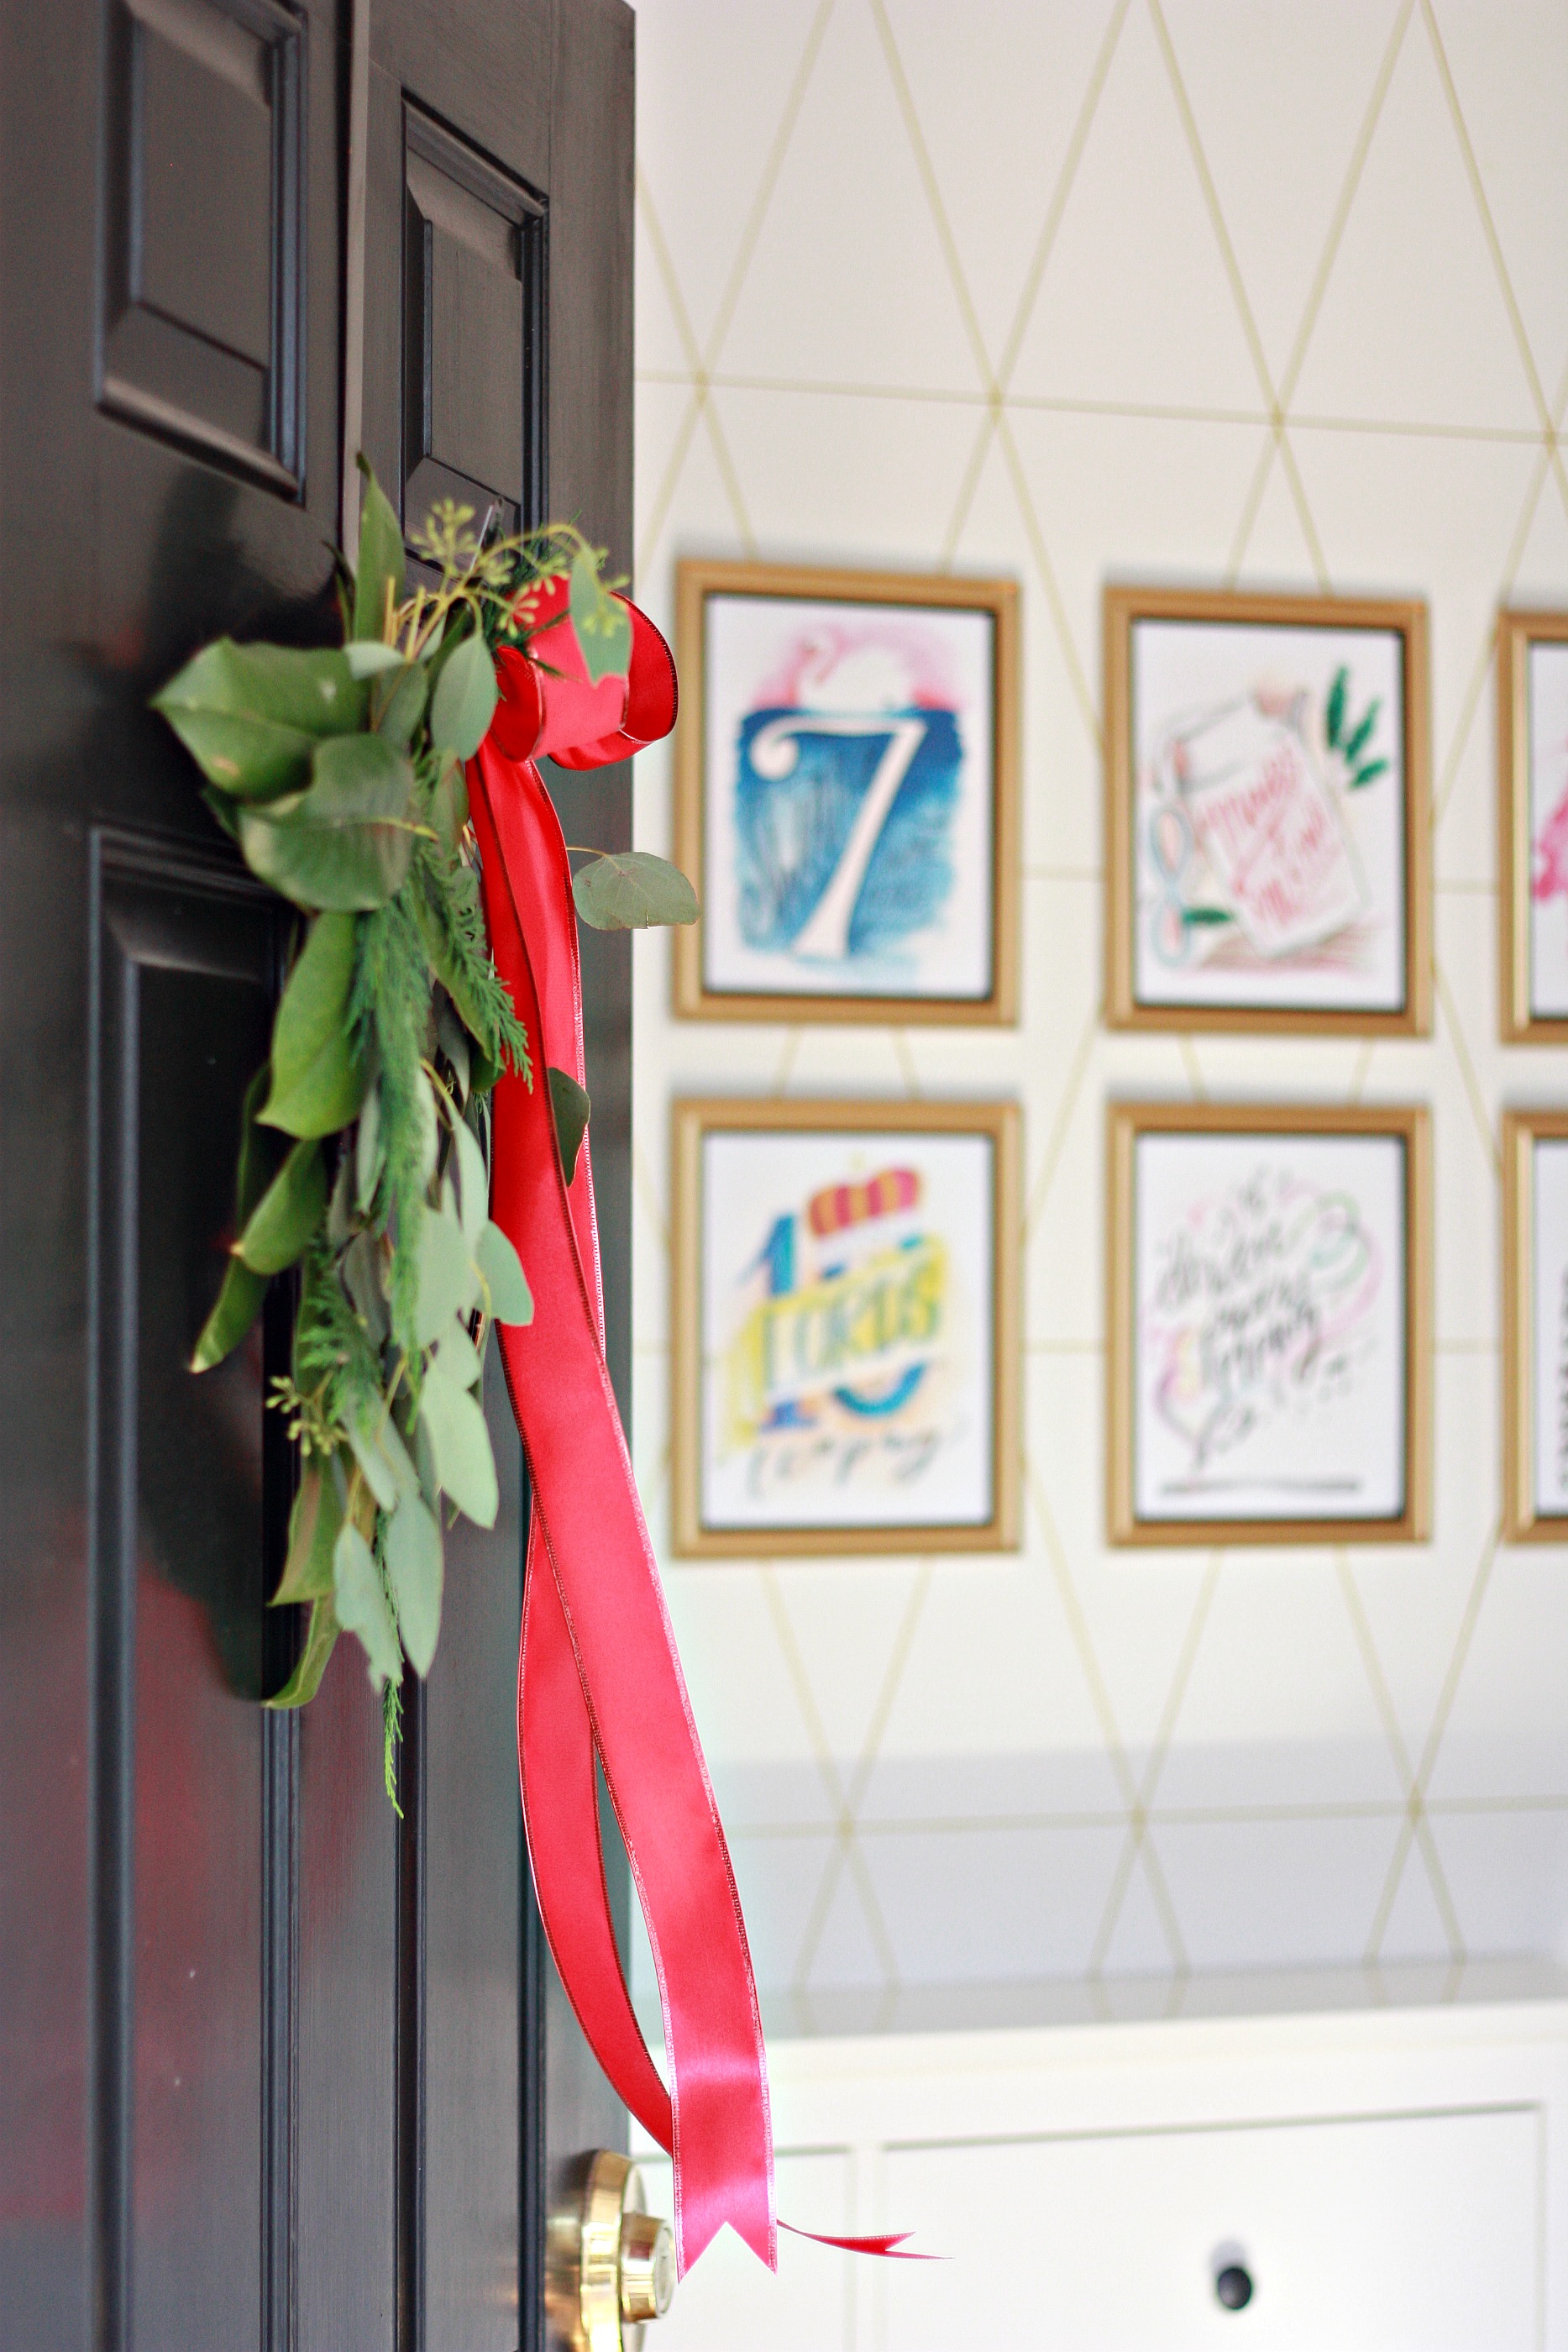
x: 1214, y: 290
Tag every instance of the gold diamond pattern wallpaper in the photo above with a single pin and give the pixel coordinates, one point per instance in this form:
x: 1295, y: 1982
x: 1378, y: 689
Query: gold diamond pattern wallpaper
x: 1223, y: 295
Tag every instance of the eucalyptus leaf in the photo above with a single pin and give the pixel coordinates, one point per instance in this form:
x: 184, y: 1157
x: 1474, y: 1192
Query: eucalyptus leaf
x: 403, y: 707
x: 461, y: 1444
x: 313, y: 1525
x: 413, y: 1557
x: 429, y: 1128
x: 288, y: 1213
x: 452, y: 1039
x: 447, y: 1279
x: 316, y: 1086
x: 377, y: 1471
x: 320, y: 1641
x: 629, y: 889
x: 345, y: 844
x: 473, y: 1182
x: 361, y: 1604
x: 381, y: 564
x: 603, y: 624
x: 464, y: 700
x: 251, y: 715
x: 571, y: 1107
x: 511, y: 1300
x: 459, y: 1356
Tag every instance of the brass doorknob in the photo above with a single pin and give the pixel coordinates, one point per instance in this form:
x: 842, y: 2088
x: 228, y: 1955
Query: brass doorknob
x: 610, y: 2263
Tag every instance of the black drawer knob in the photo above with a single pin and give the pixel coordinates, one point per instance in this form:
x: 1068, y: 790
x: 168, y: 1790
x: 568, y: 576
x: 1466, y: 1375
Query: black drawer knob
x: 1233, y: 2286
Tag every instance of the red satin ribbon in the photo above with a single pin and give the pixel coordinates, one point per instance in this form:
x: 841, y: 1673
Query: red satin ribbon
x: 598, y: 1670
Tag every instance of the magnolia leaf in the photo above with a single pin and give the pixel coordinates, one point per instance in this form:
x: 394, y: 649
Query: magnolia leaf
x: 316, y: 1086
x: 464, y: 700
x: 320, y: 1641
x: 603, y: 624
x: 381, y: 564
x: 367, y: 658
x: 628, y: 889
x: 235, y: 1309
x: 461, y: 1444
x: 473, y: 1182
x: 313, y: 1525
x: 449, y: 805
x: 345, y: 844
x: 511, y: 1301
x: 239, y: 1297
x: 459, y: 1356
x: 368, y: 1155
x: 288, y: 1213
x: 447, y: 1279
x: 413, y: 1557
x: 361, y: 1604
x: 403, y: 707
x: 571, y: 1107
x: 251, y: 715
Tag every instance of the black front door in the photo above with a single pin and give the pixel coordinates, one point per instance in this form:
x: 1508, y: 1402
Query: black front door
x: 276, y: 2068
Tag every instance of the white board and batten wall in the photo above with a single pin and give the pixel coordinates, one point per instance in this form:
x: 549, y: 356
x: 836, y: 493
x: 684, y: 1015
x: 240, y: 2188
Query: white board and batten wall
x: 1393, y: 2181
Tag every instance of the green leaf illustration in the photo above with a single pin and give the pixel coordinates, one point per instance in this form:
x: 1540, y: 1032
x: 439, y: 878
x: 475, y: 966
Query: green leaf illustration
x: 275, y: 1232
x: 603, y: 624
x: 313, y: 1525
x: 361, y: 1604
x: 414, y: 1568
x: 320, y: 1641
x: 511, y: 1300
x: 251, y: 715
x: 461, y: 1444
x: 629, y: 889
x: 1333, y: 709
x: 464, y: 700
x: 380, y: 558
x: 571, y: 1107
x: 345, y: 844
x: 1368, y: 774
x: 1363, y: 735
x: 1196, y: 915
x: 316, y: 1086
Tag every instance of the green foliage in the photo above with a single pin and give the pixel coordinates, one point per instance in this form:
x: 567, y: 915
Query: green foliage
x: 628, y: 889
x: 363, y: 1157
x: 571, y: 1109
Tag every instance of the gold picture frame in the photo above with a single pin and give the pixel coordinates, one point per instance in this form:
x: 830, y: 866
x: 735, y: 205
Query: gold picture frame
x: 1523, y: 1520
x: 700, y: 1533
x: 1518, y: 633
x: 1127, y: 1125
x: 1403, y: 834
x: 701, y: 992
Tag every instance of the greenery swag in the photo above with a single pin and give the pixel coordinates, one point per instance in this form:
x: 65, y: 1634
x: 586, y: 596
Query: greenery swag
x: 364, y: 1151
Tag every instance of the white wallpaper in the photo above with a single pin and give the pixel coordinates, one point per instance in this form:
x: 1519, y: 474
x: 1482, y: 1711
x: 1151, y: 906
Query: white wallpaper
x: 1209, y: 290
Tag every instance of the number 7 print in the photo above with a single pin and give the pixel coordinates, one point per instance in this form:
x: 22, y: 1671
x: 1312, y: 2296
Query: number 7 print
x: 774, y: 752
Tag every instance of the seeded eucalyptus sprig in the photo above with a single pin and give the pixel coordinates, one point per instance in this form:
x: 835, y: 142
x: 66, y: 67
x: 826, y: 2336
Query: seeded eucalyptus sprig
x: 365, y: 1149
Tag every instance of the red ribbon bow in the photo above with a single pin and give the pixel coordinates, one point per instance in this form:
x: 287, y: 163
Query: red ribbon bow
x: 598, y: 1670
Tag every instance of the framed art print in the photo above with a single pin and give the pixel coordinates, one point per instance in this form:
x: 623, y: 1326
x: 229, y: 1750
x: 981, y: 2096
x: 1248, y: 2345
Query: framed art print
x: 846, y: 795
x: 1535, y: 1325
x: 846, y: 1333
x: 1532, y: 825
x: 1268, y: 1322
x: 1266, y: 812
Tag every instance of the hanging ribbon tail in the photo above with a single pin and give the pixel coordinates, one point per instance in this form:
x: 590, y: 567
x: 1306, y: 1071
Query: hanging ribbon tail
x: 598, y: 1673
